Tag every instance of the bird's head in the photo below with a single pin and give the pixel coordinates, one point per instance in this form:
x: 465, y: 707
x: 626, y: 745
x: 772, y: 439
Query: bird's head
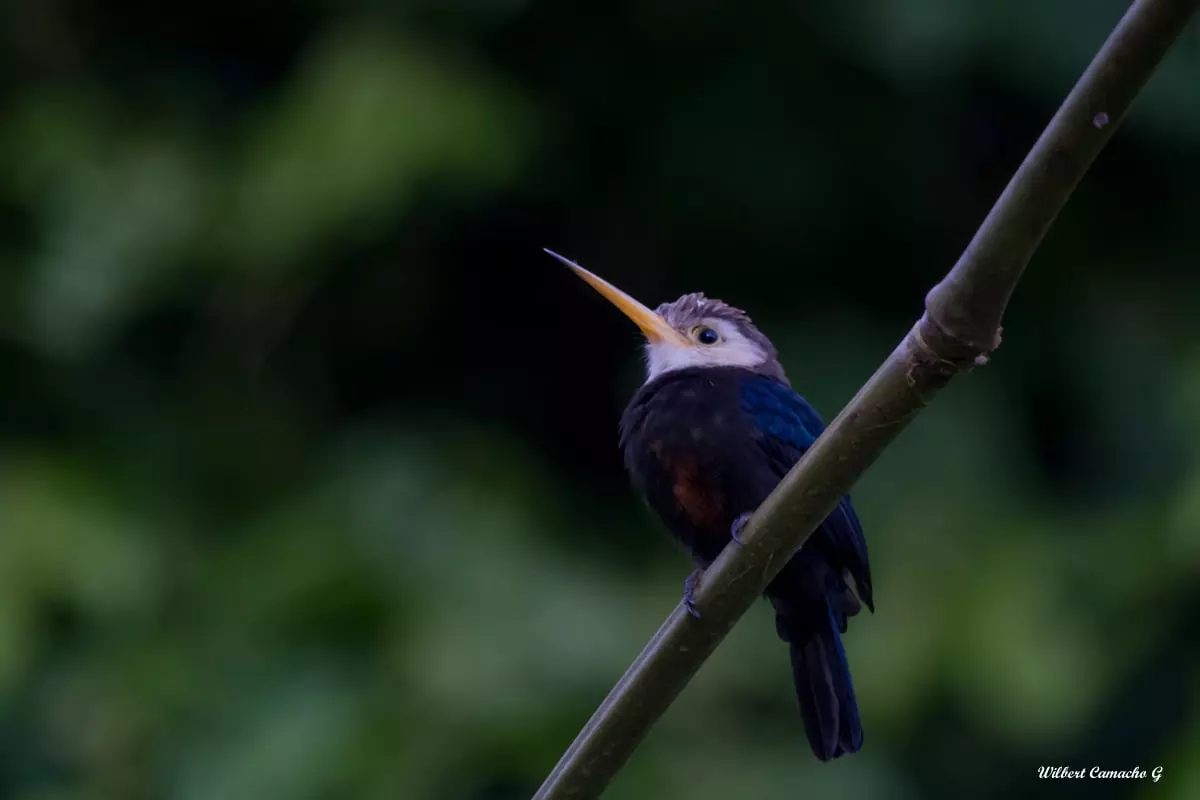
x: 693, y: 331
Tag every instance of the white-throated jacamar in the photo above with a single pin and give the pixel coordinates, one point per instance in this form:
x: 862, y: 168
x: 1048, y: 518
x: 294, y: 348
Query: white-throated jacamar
x: 708, y: 436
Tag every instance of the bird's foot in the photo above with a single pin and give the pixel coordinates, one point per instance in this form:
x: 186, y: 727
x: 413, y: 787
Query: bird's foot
x: 689, y: 592
x: 739, y: 524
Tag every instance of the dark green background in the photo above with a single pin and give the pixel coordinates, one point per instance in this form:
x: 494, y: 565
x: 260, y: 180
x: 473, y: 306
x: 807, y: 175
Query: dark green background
x: 309, y: 484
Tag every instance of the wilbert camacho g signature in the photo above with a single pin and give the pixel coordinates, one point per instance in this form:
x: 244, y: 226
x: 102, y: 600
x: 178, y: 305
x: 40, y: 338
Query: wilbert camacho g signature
x: 1136, y: 773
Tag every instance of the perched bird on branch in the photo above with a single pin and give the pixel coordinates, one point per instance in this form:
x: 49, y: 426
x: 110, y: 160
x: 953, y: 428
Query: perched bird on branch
x: 707, y: 437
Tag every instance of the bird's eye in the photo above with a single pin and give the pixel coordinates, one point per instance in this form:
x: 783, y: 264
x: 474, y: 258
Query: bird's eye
x: 706, y: 335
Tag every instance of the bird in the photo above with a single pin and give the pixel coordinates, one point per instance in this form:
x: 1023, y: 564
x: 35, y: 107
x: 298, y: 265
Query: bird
x: 706, y: 438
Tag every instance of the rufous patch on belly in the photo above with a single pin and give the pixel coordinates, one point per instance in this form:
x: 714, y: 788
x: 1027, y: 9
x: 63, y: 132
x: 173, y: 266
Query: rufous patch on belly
x: 700, y: 503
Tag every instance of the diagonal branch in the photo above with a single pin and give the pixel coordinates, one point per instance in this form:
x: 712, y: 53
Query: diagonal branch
x: 960, y: 329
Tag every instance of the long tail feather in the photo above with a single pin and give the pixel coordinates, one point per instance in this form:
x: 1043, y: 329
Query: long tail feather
x: 823, y: 686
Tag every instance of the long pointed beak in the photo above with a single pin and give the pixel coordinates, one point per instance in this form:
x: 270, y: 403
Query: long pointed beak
x: 654, y: 327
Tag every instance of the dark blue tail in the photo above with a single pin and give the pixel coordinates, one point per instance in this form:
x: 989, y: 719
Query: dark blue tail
x: 823, y: 684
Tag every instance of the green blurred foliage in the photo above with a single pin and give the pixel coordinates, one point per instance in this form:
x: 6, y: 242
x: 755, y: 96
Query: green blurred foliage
x: 308, y: 479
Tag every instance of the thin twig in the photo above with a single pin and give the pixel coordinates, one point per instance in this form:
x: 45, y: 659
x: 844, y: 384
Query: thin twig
x: 959, y: 330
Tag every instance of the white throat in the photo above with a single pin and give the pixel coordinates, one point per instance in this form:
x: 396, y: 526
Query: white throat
x: 734, y: 350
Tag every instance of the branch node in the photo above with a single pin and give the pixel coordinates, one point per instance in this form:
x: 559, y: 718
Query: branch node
x: 957, y: 347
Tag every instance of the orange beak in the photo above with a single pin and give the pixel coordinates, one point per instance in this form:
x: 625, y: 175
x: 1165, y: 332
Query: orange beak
x: 653, y: 327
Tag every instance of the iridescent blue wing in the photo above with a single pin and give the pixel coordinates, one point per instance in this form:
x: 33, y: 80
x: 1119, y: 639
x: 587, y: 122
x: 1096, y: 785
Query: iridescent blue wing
x: 784, y: 426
